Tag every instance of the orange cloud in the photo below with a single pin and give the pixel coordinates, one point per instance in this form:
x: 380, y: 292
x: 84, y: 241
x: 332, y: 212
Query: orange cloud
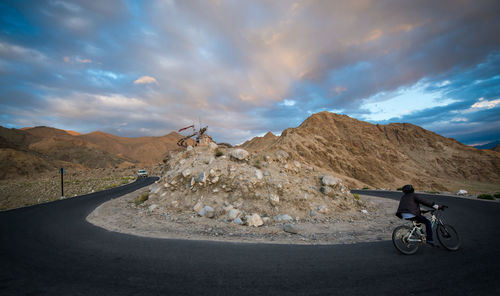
x: 146, y: 80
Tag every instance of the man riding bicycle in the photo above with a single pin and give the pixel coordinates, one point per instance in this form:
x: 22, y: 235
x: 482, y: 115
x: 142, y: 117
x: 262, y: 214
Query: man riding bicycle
x: 409, y: 209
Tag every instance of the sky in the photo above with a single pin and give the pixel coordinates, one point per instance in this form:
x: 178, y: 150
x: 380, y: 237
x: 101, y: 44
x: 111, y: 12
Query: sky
x: 146, y: 68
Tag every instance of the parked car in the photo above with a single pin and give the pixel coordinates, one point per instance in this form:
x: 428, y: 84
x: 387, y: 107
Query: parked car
x: 142, y: 174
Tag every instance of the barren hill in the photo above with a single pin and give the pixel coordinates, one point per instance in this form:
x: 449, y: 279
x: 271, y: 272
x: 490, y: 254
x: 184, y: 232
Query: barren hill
x: 384, y: 155
x: 29, y: 151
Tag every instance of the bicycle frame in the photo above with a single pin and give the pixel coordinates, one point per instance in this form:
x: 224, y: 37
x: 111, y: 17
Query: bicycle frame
x: 418, y: 230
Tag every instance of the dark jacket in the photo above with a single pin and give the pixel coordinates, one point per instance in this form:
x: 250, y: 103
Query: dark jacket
x: 410, y: 202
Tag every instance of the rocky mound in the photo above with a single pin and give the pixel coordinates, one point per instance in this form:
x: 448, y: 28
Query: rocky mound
x: 232, y: 185
x: 384, y: 156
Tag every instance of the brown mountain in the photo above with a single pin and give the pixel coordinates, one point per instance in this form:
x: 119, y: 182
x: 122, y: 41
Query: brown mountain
x: 385, y: 155
x: 29, y: 151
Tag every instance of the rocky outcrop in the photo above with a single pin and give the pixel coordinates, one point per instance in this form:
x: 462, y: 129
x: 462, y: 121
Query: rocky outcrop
x: 235, y: 186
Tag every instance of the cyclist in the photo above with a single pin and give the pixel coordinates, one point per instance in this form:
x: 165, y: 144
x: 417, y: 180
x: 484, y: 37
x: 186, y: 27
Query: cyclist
x: 409, y: 209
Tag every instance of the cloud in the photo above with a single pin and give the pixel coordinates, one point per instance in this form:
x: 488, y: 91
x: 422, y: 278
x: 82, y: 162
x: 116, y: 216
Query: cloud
x: 145, y: 80
x: 250, y: 67
x: 484, y: 104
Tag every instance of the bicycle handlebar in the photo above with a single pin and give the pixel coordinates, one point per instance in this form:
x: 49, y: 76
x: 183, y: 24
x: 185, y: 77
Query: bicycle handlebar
x: 441, y: 208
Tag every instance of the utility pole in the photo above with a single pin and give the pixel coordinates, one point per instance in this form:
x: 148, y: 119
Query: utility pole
x: 62, y: 183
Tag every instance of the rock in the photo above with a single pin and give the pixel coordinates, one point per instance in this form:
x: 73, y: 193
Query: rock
x: 207, y: 211
x: 186, y: 173
x: 255, y: 220
x: 326, y: 190
x: 189, y: 148
x: 267, y: 173
x: 227, y: 207
x: 211, y: 173
x: 152, y: 207
x: 238, y: 221
x: 212, y: 146
x: 274, y: 199
x: 322, y: 209
x: 215, y: 179
x: 198, y: 207
x: 364, y: 211
x: 281, y: 155
x: 290, y: 228
x: 201, y: 178
x: 266, y: 220
x: 329, y: 180
x: 259, y: 175
x: 155, y: 188
x: 280, y: 218
x: 296, y: 164
x: 192, y: 181
x: 312, y: 213
x: 239, y: 154
x: 233, y: 214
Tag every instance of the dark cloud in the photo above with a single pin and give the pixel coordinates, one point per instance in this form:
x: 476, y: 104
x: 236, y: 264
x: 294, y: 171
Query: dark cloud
x: 233, y: 64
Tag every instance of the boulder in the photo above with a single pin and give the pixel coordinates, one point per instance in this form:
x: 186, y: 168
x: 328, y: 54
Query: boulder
x: 255, y: 220
x: 290, y: 228
x: 186, y: 173
x: 238, y: 221
x: 274, y: 199
x: 152, y: 207
x: 155, y: 188
x: 326, y: 190
x: 328, y: 180
x: 198, y: 207
x: 322, y: 209
x: 207, y: 211
x: 233, y: 214
x: 239, y: 154
x: 281, y: 218
x: 212, y: 146
x: 281, y: 155
x: 201, y: 178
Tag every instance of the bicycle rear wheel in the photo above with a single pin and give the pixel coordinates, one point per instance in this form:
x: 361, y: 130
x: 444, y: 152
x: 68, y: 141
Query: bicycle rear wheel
x: 448, y: 237
x: 400, y: 237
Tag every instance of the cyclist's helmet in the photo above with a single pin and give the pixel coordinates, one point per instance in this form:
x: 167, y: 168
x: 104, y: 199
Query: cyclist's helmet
x: 408, y: 189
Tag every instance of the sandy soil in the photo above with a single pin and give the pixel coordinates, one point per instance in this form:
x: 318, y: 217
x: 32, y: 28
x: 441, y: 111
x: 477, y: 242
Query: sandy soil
x: 122, y: 215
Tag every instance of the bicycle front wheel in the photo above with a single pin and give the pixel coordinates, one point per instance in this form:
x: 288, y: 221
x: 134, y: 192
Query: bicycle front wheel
x: 448, y: 237
x: 400, y: 239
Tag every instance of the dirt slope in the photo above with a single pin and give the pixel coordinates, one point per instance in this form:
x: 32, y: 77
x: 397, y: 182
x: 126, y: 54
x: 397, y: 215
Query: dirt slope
x: 385, y: 156
x: 31, y: 151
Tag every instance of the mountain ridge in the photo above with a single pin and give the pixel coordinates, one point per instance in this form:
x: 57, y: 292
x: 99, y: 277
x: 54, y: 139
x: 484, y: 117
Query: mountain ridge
x: 383, y: 155
x: 30, y: 151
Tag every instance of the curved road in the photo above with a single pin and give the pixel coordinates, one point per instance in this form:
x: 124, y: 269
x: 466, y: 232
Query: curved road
x: 50, y: 249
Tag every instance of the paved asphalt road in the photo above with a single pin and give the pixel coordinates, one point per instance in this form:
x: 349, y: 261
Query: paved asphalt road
x: 50, y: 249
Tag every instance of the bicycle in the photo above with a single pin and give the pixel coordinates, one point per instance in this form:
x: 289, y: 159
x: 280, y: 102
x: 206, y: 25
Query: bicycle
x: 407, y: 239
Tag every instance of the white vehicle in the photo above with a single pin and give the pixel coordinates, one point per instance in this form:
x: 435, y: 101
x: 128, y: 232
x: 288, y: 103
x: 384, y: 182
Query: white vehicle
x: 462, y: 192
x: 142, y: 174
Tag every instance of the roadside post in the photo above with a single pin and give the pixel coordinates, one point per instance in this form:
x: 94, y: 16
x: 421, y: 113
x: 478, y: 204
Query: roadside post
x: 62, y: 182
